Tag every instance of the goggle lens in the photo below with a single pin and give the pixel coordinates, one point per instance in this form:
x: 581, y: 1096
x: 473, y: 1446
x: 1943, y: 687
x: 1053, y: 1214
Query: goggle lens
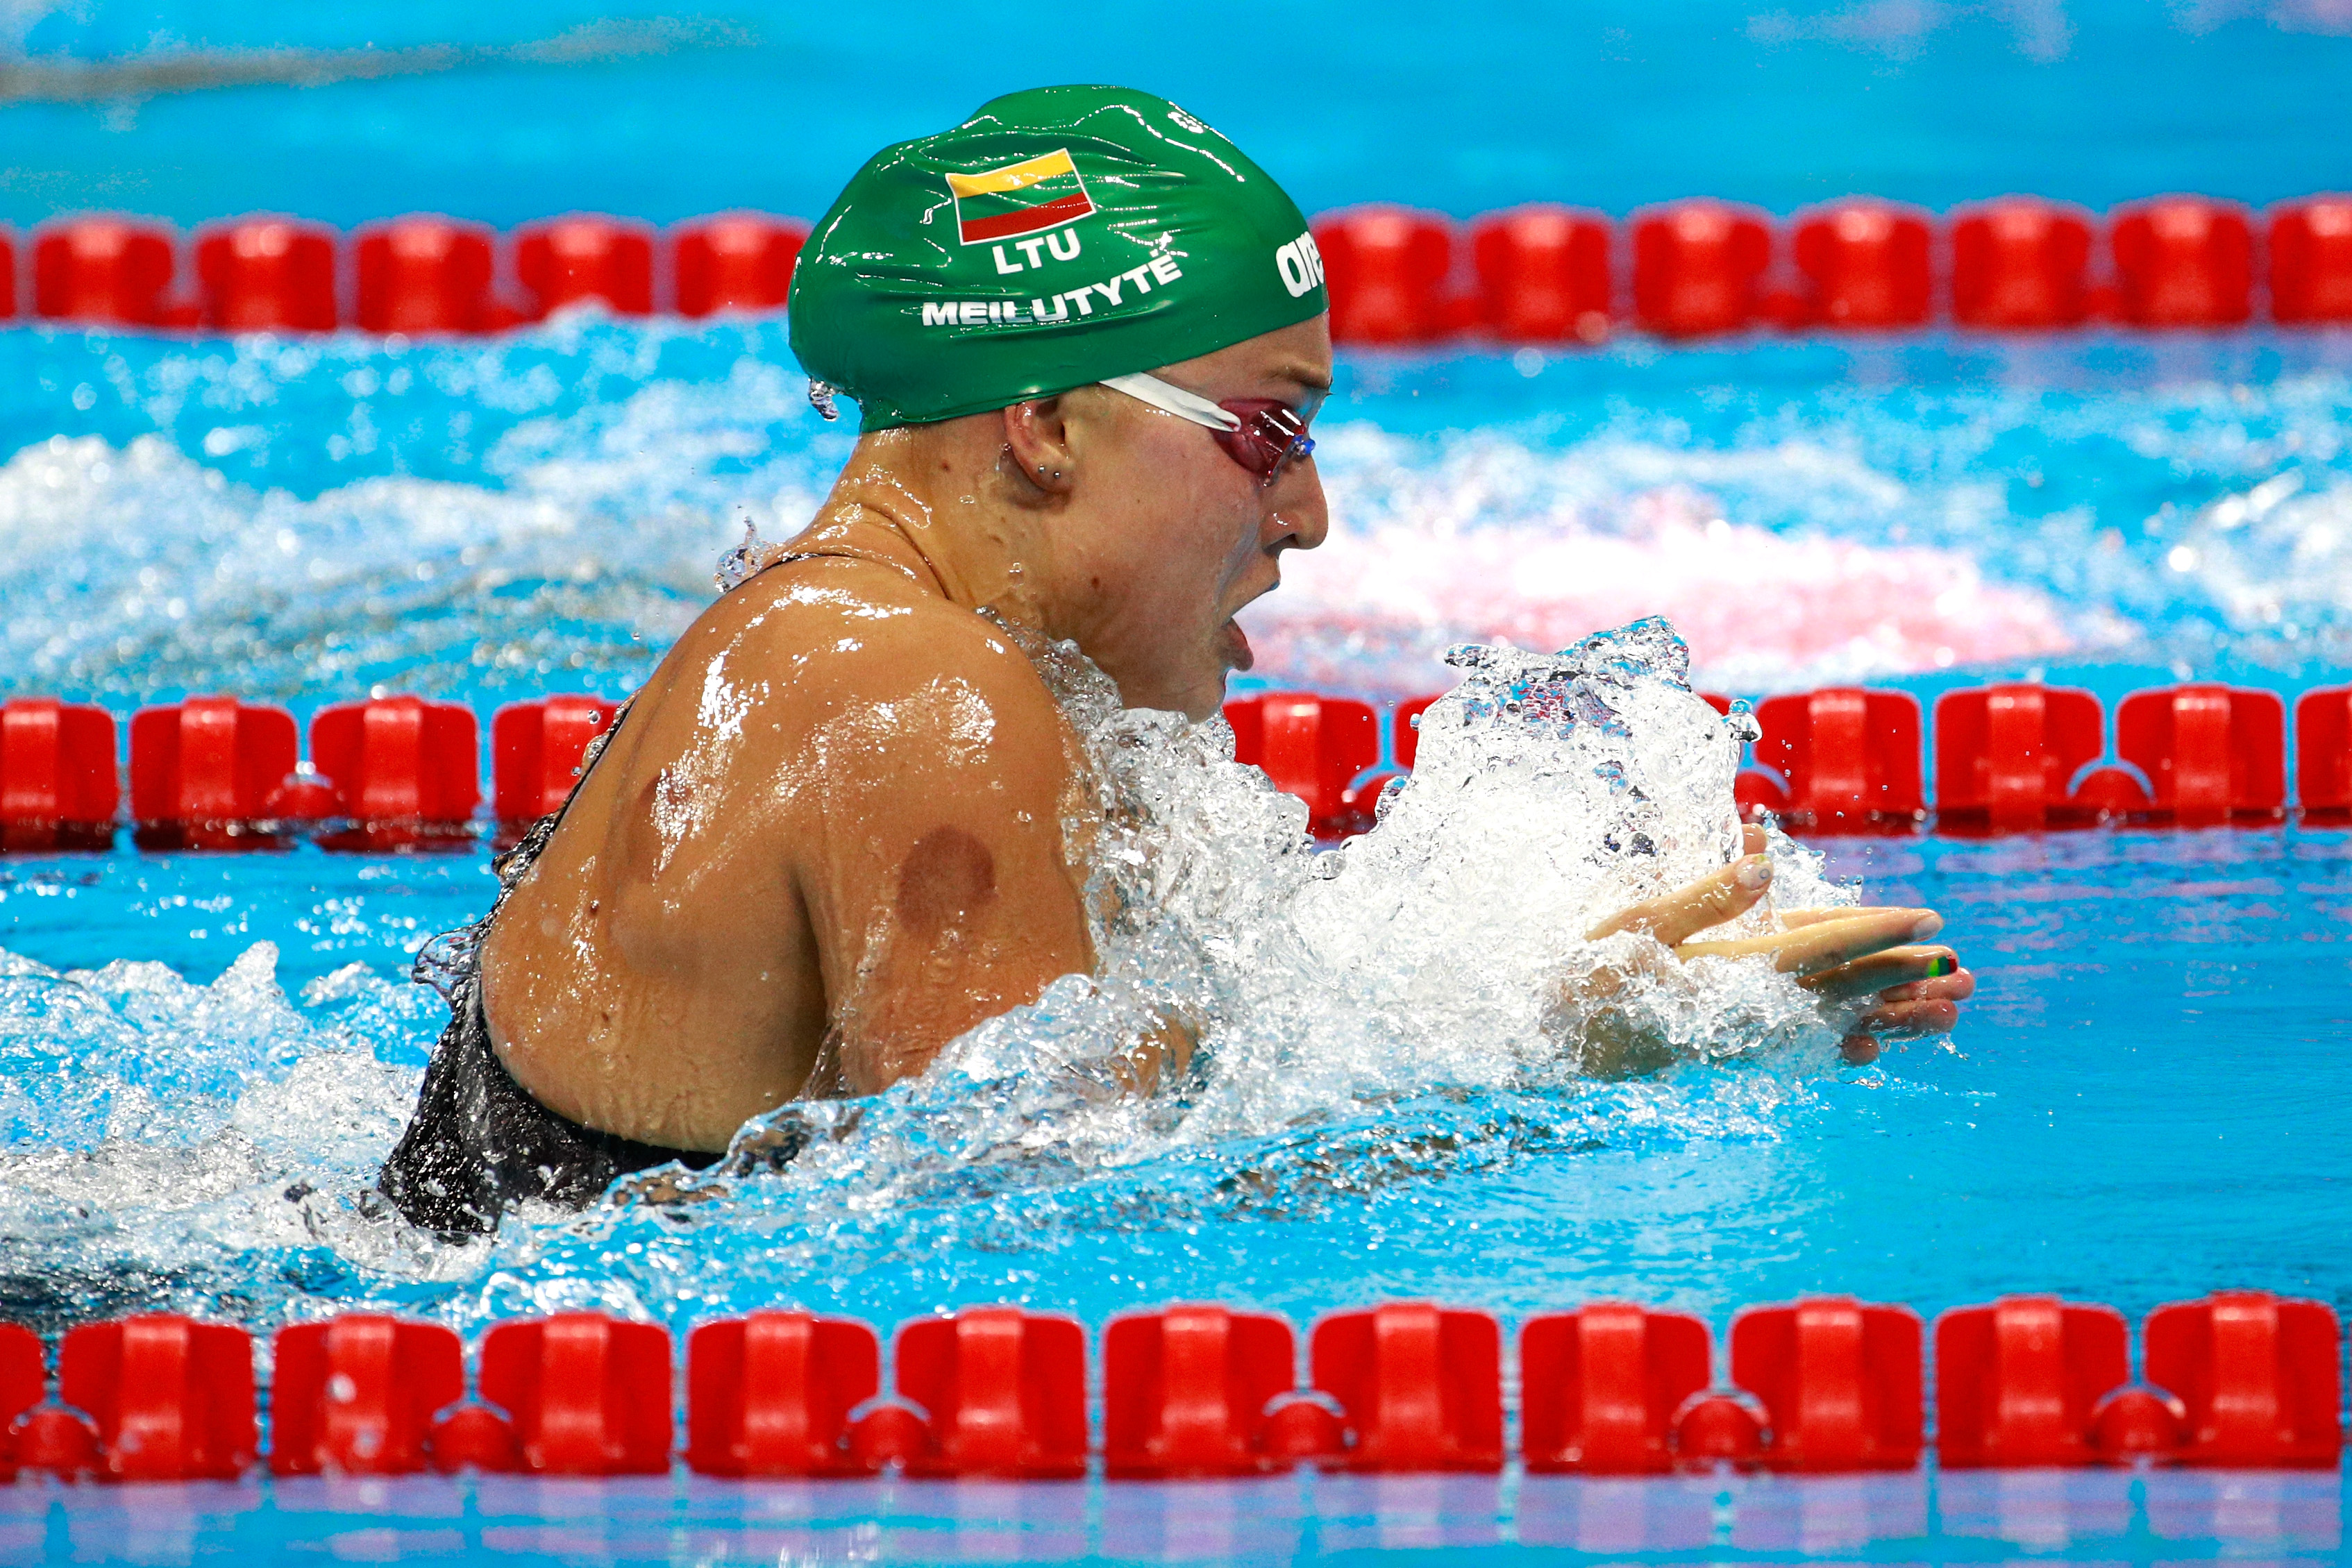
x: 1271, y: 433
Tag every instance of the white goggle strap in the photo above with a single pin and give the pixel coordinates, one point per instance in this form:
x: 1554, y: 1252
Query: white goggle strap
x: 1174, y: 399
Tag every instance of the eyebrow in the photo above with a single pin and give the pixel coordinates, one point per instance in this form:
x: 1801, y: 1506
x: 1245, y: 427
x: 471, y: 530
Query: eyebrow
x: 1304, y: 374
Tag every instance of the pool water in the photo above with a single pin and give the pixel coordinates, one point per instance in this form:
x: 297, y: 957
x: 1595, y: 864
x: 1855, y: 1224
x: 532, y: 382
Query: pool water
x: 203, y: 1058
x: 2146, y: 1101
x: 1962, y: 1517
x: 206, y: 1055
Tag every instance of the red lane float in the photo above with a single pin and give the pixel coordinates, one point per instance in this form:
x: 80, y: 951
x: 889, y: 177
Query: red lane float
x: 736, y: 261
x: 7, y: 276
x: 1847, y: 761
x: 1839, y: 1382
x: 1187, y: 1391
x: 2310, y: 246
x: 1543, y: 275
x: 535, y: 749
x: 1405, y: 737
x: 170, y: 1399
x: 586, y: 1395
x: 1865, y: 265
x: 423, y: 274
x: 103, y: 271
x: 770, y: 1395
x: 356, y: 1396
x: 208, y: 767
x: 399, y: 762
x: 1314, y: 748
x: 2258, y: 1377
x: 22, y: 1384
x: 2020, y: 1382
x: 2323, y: 753
x: 586, y: 257
x: 1386, y: 268
x: 1004, y: 1391
x: 2006, y: 757
x: 1418, y: 1386
x: 58, y: 786
x: 1599, y: 1387
x: 2019, y: 265
x: 267, y: 273
x: 2184, y: 261
x: 2211, y: 754
x: 1698, y: 268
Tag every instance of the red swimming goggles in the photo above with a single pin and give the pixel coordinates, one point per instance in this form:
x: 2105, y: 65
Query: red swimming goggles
x: 1262, y: 434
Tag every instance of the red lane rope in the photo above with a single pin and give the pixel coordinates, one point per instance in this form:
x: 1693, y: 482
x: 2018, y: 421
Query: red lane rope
x: 215, y: 771
x: 1540, y: 274
x: 1828, y: 1384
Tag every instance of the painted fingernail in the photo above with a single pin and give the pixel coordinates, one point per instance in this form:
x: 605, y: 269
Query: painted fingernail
x: 1941, y: 964
x: 1755, y: 872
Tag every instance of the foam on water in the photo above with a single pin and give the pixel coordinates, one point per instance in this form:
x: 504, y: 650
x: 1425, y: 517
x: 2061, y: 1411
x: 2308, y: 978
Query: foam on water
x: 300, y: 518
x: 489, y: 520
x: 1495, y: 541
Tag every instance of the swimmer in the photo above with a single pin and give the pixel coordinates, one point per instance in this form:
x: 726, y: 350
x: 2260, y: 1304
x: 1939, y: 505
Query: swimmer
x: 1087, y: 338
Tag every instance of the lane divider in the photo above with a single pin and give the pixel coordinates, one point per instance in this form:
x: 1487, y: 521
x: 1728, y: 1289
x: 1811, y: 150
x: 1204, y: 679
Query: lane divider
x: 400, y: 773
x: 2241, y: 1379
x: 1543, y: 273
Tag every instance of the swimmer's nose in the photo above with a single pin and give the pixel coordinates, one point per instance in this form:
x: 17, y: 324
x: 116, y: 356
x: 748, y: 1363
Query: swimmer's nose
x: 1299, y: 517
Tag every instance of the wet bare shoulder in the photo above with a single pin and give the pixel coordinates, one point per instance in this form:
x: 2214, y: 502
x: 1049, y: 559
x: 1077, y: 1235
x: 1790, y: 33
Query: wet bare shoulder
x: 833, y: 636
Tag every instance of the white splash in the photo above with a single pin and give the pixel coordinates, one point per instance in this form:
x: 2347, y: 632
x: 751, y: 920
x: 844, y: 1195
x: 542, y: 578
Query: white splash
x: 1427, y: 954
x: 1492, y: 541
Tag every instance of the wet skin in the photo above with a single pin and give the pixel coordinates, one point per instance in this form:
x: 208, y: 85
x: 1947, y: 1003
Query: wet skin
x: 845, y: 822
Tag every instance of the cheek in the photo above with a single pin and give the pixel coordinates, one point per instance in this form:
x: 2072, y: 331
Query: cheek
x: 1183, y: 534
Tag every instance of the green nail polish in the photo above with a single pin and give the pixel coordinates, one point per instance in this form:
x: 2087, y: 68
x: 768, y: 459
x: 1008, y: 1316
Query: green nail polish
x: 1942, y: 964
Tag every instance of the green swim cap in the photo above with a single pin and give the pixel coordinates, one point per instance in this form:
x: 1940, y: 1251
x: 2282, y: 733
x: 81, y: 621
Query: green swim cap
x: 1059, y: 237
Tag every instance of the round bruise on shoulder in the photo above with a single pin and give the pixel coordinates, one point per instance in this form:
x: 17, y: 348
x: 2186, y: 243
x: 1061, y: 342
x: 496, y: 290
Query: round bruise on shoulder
x: 948, y: 876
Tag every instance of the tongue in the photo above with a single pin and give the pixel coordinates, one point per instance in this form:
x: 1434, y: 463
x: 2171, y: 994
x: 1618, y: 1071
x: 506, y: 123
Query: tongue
x: 1237, y: 648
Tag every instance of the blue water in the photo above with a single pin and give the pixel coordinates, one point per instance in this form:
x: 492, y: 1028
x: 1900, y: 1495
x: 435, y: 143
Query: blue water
x: 201, y: 1059
x: 1609, y: 103
x: 1960, y: 1517
x: 2146, y: 1102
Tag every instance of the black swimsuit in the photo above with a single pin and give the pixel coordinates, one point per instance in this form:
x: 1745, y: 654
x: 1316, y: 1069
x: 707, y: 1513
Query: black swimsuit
x: 479, y: 1143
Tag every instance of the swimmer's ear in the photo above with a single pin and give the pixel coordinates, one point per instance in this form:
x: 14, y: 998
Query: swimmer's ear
x: 1037, y: 445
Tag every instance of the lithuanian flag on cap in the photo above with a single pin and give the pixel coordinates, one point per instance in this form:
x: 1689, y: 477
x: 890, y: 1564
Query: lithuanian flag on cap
x: 1023, y: 198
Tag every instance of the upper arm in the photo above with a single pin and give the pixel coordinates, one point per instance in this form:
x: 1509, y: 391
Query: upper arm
x: 930, y: 853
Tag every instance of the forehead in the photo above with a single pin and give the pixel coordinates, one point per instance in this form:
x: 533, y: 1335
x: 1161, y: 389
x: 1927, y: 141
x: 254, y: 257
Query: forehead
x: 1289, y: 360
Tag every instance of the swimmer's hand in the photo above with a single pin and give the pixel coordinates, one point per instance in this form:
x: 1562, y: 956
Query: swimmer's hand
x: 1873, y: 968
x: 1159, y: 1058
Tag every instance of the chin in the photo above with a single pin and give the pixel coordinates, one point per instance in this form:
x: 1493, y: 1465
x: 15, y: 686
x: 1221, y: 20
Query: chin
x: 1202, y: 700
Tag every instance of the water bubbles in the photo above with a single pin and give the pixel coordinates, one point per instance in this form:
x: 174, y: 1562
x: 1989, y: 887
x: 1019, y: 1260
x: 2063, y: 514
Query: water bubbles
x: 821, y: 395
x: 740, y: 565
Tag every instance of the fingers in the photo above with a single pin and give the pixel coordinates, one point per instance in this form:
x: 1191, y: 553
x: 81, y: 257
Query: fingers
x: 1751, y: 840
x: 1793, y: 918
x: 1956, y: 986
x: 1908, y: 1011
x: 1881, y: 972
x: 1810, y: 950
x: 1910, y: 1020
x: 1681, y: 914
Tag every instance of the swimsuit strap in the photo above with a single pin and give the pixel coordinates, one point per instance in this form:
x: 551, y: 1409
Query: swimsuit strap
x: 850, y: 552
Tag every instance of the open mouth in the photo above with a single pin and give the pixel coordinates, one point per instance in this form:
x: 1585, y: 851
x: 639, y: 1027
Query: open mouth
x: 1237, y: 647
